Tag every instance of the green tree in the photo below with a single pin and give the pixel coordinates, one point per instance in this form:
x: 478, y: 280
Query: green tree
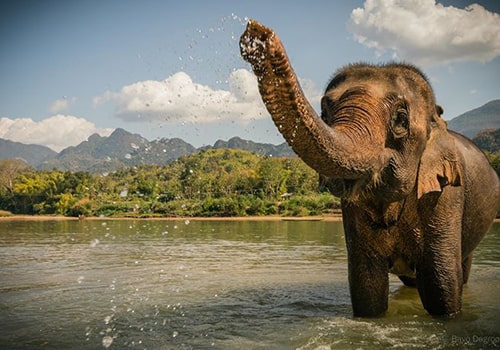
x: 271, y: 178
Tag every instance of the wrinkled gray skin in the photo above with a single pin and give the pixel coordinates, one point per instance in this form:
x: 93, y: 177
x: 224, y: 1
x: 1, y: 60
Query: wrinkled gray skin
x: 416, y: 197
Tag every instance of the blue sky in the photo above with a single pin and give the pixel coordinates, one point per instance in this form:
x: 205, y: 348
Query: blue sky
x: 172, y: 68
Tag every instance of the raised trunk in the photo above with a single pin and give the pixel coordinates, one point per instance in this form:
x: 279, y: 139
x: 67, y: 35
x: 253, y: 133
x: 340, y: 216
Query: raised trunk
x: 330, y: 152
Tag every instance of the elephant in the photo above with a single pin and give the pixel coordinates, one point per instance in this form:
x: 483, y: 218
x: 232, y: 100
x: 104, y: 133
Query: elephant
x: 416, y: 198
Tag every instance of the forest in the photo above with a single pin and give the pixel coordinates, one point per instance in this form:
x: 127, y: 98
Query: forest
x: 220, y: 183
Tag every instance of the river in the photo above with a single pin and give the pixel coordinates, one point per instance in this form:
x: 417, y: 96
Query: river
x: 135, y: 284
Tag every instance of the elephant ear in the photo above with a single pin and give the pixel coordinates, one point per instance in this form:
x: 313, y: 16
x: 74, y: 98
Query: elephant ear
x: 439, y: 165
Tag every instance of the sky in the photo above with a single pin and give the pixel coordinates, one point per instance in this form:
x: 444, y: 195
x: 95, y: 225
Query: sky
x: 166, y: 69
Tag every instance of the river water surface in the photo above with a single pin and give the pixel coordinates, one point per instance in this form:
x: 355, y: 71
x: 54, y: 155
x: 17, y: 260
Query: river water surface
x: 214, y: 285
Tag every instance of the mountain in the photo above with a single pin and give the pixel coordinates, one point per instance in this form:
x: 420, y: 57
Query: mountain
x: 31, y: 154
x: 121, y: 148
x: 267, y: 149
x: 476, y: 120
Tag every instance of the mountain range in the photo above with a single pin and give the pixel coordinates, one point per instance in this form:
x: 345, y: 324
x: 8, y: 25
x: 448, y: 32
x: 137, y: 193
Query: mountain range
x: 101, y: 154
x: 123, y: 149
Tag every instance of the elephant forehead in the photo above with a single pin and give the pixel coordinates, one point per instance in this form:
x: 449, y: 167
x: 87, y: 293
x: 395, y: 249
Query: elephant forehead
x: 398, y: 79
x: 375, y: 89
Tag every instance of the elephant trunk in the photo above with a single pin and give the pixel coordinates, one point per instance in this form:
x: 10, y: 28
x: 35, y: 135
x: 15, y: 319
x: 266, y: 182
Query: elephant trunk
x: 332, y: 151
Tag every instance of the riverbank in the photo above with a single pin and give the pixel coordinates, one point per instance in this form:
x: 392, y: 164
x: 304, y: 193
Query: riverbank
x: 334, y: 217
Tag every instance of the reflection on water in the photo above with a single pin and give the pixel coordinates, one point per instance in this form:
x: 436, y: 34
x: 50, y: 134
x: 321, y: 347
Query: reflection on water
x: 214, y: 284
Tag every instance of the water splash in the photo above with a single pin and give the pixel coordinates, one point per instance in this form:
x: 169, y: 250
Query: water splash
x: 107, y: 341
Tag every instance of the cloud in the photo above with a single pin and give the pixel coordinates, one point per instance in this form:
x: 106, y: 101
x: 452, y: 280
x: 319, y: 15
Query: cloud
x: 56, y: 132
x: 178, y: 99
x: 427, y: 33
x: 61, y: 104
x: 311, y: 91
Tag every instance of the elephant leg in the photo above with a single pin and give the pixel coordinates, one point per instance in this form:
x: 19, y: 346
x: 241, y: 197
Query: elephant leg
x: 439, y: 274
x: 369, y: 287
x: 440, y: 291
x: 408, y: 281
x: 368, y: 270
x: 466, y: 265
x: 439, y: 267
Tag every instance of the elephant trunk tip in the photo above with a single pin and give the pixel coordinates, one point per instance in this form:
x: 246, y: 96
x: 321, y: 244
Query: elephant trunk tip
x: 257, y: 46
x: 256, y: 26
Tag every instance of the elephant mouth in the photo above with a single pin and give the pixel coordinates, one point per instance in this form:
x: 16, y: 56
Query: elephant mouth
x: 384, y: 216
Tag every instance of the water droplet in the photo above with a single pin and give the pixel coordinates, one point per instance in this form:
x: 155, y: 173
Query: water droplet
x: 186, y: 222
x: 107, y: 341
x: 107, y: 319
x: 175, y: 334
x: 80, y: 279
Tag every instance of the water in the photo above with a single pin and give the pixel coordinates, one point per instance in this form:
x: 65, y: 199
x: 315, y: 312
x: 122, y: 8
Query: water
x: 214, y: 285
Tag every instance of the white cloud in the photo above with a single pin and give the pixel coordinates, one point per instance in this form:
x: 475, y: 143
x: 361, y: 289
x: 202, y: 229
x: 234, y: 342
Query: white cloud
x: 427, y: 33
x: 178, y: 99
x: 61, y: 104
x: 311, y: 91
x: 56, y: 132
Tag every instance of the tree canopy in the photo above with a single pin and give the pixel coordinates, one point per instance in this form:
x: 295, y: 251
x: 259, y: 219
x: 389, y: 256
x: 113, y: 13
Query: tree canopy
x: 216, y: 182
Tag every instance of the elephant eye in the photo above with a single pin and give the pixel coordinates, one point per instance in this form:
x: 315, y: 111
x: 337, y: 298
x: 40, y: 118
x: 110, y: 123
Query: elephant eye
x: 400, y: 122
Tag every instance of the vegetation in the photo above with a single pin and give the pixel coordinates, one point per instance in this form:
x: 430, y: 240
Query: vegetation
x: 494, y: 159
x: 488, y: 140
x: 216, y: 182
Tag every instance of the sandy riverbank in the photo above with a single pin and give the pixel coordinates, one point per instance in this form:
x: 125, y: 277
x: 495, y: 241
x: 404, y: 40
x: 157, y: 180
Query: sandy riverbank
x: 238, y: 218
x: 335, y: 218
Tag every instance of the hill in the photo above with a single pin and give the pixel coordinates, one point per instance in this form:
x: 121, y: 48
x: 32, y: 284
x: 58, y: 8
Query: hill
x: 488, y: 140
x: 121, y: 148
x: 267, y: 149
x: 101, y: 154
x: 32, y: 154
x: 472, y: 122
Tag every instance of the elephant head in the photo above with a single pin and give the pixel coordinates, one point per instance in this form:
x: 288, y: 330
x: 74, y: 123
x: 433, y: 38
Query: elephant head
x: 375, y: 125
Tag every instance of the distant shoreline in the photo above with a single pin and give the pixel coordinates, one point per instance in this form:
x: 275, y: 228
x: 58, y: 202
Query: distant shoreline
x: 335, y: 217
x: 331, y: 218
